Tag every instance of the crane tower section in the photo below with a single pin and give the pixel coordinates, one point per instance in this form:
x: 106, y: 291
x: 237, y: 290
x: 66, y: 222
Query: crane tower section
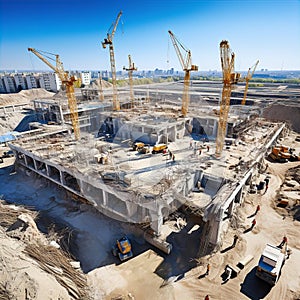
x: 109, y: 41
x: 67, y: 81
x: 185, y: 59
x: 229, y: 78
x: 248, y: 78
x: 130, y: 71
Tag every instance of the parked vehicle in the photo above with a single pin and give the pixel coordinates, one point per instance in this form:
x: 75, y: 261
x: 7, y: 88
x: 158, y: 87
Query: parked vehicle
x: 271, y: 263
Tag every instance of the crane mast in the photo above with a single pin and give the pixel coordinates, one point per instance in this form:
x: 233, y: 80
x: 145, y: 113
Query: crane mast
x: 109, y: 41
x: 130, y: 70
x: 101, y: 96
x: 68, y: 82
x: 229, y: 78
x: 187, y: 67
x: 248, y: 78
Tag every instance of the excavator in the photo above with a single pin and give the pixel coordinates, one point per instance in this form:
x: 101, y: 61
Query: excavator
x: 187, y: 66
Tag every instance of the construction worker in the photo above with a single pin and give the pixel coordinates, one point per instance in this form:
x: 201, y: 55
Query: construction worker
x: 200, y: 151
x: 267, y: 186
x: 207, y: 147
x: 207, y: 269
x: 283, y: 242
x: 257, y: 209
x: 235, y: 238
x: 253, y: 223
x: 173, y: 157
x: 206, y: 297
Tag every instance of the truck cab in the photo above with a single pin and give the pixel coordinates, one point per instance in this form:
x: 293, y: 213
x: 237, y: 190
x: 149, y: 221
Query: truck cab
x: 270, y: 263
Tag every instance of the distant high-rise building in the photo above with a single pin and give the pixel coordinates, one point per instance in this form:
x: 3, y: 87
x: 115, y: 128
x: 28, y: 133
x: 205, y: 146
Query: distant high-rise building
x: 20, y: 82
x: 31, y: 81
x: 9, y: 84
x: 50, y: 82
x: 2, y: 86
x: 85, y: 77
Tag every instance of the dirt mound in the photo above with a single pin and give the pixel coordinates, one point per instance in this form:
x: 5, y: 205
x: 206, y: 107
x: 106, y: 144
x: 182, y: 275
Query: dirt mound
x: 287, y: 200
x: 97, y: 83
x: 24, y: 96
x: 281, y: 112
x: 52, y: 273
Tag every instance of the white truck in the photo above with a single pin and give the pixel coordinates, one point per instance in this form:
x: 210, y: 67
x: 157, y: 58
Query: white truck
x: 270, y: 263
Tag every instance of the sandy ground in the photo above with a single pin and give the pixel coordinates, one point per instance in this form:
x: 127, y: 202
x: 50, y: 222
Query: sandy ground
x: 151, y: 274
x: 11, y: 120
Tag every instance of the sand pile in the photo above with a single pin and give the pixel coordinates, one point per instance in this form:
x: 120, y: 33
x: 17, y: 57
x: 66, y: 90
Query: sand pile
x: 97, y: 83
x: 281, y: 112
x: 24, y: 96
x: 31, y: 266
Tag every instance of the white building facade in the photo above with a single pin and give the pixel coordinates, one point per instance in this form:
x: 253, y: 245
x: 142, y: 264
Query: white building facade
x: 50, y: 82
x: 85, y: 77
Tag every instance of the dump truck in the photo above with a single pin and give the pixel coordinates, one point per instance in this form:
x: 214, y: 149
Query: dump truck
x: 122, y: 248
x: 271, y: 263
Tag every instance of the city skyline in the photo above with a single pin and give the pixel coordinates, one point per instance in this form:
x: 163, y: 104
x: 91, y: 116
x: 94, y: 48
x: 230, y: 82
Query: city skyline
x: 267, y: 31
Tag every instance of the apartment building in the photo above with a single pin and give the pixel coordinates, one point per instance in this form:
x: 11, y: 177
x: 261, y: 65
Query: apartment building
x: 31, y: 81
x: 20, y: 81
x: 85, y: 77
x: 50, y: 82
x: 9, y: 84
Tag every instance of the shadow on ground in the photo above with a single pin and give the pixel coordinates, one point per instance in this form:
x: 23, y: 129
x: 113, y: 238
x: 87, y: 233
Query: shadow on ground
x: 253, y: 287
x: 185, y: 250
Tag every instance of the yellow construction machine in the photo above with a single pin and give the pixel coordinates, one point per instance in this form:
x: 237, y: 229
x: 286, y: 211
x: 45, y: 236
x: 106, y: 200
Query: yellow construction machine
x: 283, y: 154
x: 122, y: 248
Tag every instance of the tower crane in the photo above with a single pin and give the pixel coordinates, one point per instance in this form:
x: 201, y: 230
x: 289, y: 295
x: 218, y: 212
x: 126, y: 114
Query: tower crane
x: 229, y: 78
x: 248, y: 78
x: 109, y: 41
x: 187, y: 66
x: 101, y: 95
x: 130, y: 71
x: 66, y: 80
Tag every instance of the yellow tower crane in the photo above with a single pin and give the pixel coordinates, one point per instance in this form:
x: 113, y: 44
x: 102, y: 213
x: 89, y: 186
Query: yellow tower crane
x: 187, y: 66
x: 130, y: 71
x: 101, y: 94
x: 229, y: 78
x: 248, y: 78
x: 109, y: 41
x: 66, y: 80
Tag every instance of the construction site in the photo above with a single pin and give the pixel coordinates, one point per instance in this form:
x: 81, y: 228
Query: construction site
x: 176, y: 169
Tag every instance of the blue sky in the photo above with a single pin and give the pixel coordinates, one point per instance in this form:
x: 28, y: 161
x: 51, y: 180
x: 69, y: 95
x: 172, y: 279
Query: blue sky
x: 268, y: 30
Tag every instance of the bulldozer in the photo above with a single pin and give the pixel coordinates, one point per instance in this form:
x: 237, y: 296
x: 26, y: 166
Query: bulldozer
x: 283, y: 154
x: 122, y: 248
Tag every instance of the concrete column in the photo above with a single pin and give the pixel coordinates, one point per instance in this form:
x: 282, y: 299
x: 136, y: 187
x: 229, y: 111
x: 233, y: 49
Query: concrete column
x: 215, y: 128
x: 47, y: 169
x: 104, y: 198
x: 230, y: 208
x: 238, y: 196
x: 34, y: 163
x: 61, y: 115
x: 61, y: 177
x: 131, y: 208
x: 25, y: 159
